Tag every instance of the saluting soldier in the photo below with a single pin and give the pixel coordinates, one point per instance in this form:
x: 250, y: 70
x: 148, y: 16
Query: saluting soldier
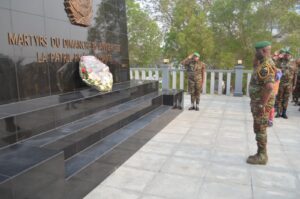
x: 286, y: 82
x: 195, y: 70
x: 262, y: 98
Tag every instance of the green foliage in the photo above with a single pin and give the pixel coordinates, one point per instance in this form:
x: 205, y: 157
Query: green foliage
x: 224, y: 31
x: 144, y: 36
x: 189, y: 32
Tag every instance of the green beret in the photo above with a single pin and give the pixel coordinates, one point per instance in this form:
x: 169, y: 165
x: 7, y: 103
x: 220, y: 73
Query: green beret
x: 197, y: 54
x: 285, y: 50
x: 262, y: 44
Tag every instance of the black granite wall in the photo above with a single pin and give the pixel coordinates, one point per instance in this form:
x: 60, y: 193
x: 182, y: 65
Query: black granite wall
x: 34, y: 62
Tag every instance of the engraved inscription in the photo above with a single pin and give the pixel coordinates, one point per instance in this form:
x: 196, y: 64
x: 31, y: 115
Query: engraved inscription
x: 101, y: 50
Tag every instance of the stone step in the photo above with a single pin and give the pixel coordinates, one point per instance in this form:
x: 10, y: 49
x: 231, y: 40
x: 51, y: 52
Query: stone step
x: 76, y: 136
x: 90, y: 167
x: 31, y: 172
x: 94, y: 152
x: 25, y: 119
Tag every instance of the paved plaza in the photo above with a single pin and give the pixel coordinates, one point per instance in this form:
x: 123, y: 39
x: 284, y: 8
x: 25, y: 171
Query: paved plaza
x: 202, y: 155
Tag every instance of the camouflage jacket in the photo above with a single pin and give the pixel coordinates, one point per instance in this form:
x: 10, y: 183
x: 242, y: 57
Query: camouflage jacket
x: 298, y: 76
x: 287, y: 72
x: 194, y: 69
x: 262, y: 74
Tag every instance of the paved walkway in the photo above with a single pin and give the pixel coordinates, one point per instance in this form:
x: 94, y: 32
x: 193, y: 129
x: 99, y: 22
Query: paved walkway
x: 202, y: 155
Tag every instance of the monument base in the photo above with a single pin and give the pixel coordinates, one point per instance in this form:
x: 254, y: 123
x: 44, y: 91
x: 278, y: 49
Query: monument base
x: 92, y: 134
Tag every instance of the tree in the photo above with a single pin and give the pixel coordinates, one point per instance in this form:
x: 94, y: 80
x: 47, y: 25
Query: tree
x: 290, y: 32
x: 189, y: 32
x: 144, y: 36
x: 224, y: 30
x: 238, y: 24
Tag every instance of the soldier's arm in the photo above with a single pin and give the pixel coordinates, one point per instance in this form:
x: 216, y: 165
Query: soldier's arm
x: 203, y: 72
x: 294, y: 76
x: 268, y: 79
x: 187, y: 60
x: 266, y: 93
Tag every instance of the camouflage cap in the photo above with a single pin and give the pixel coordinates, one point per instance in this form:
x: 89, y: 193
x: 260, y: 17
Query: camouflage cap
x: 262, y: 44
x: 197, y: 54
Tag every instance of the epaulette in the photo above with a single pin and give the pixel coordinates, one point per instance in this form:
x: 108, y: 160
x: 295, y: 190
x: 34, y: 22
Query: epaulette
x: 264, y: 70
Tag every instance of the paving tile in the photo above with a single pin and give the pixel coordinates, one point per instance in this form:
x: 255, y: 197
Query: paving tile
x: 146, y: 161
x: 267, y: 178
x: 228, y: 173
x: 202, y: 132
x: 279, y: 161
x: 186, y: 167
x: 202, y: 154
x: 151, y: 197
x: 228, y: 156
x: 180, y: 123
x: 198, y: 140
x: 211, y: 190
x: 111, y: 193
x: 168, y: 138
x: 159, y: 148
x: 129, y: 178
x: 194, y: 152
x: 232, y: 128
x: 261, y: 193
x: 175, y: 129
x: 199, y: 124
x: 231, y: 144
x: 173, y: 186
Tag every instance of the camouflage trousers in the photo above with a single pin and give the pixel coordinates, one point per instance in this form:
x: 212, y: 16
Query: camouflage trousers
x: 282, y: 98
x: 195, y: 88
x: 260, y: 124
x: 296, y: 93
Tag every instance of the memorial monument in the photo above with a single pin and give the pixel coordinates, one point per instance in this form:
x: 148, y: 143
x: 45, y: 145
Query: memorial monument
x: 57, y: 133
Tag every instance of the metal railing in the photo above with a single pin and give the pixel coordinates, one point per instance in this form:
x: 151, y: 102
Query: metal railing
x: 221, y: 82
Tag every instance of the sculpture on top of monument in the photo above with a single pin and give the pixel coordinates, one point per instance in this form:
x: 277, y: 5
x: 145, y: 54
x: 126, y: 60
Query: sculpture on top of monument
x: 80, y: 12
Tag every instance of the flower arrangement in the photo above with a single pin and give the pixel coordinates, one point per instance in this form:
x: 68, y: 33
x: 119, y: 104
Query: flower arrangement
x: 95, y: 73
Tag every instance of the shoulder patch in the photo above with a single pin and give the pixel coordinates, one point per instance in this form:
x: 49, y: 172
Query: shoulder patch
x: 263, y: 72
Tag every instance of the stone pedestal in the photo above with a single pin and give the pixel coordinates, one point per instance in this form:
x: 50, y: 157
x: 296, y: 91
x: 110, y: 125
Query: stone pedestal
x: 238, y: 88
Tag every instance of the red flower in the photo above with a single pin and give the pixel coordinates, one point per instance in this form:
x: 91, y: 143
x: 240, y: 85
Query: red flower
x: 83, y: 70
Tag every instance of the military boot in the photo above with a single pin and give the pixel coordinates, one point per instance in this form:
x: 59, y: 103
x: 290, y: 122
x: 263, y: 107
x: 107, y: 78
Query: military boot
x: 192, y: 107
x: 260, y: 157
x: 278, y: 115
x: 284, y: 114
x: 197, y: 107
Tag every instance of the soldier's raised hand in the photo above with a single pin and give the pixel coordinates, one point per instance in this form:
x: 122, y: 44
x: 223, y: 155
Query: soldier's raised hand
x: 191, y: 56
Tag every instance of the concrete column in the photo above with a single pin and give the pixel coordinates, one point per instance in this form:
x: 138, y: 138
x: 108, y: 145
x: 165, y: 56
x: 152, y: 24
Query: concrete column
x: 143, y: 74
x: 174, y: 79
x: 182, y: 80
x: 204, y: 83
x: 165, y: 76
x: 248, y: 82
x: 220, y: 81
x: 131, y: 74
x: 212, y: 83
x: 238, y: 89
x: 228, y: 84
x: 150, y: 74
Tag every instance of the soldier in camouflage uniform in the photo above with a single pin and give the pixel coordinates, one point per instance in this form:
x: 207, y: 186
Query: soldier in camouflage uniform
x: 195, y: 70
x: 286, y: 82
x: 297, y: 82
x: 262, y: 99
